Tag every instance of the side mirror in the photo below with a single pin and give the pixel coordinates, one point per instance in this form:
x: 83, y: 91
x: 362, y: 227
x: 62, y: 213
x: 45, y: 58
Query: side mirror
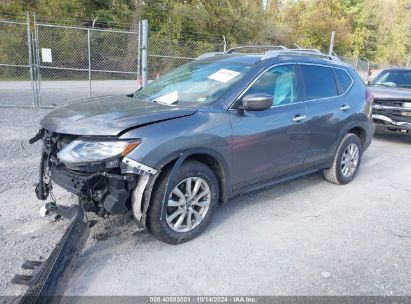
x: 256, y: 102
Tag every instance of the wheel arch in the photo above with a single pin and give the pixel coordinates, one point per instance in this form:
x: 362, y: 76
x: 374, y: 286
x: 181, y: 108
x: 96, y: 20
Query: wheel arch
x: 210, y: 158
x: 173, y: 161
x: 360, y: 132
x: 357, y: 128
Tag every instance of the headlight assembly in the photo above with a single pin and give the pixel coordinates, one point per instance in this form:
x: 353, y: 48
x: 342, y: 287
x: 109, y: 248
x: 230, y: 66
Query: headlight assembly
x: 80, y: 151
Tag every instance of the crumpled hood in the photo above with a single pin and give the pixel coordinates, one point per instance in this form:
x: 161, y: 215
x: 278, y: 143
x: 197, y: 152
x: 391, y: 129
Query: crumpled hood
x: 387, y: 93
x: 109, y: 115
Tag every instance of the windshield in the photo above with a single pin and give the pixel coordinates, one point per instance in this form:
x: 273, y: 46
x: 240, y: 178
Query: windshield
x: 401, y: 79
x: 196, y: 82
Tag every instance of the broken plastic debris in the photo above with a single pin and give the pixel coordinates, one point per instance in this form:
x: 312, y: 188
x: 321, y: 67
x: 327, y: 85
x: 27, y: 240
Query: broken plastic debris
x: 325, y: 274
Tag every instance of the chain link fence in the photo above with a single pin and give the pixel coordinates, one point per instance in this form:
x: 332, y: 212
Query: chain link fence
x: 362, y: 66
x: 16, y: 87
x: 74, y: 63
x: 46, y: 65
x: 165, y: 54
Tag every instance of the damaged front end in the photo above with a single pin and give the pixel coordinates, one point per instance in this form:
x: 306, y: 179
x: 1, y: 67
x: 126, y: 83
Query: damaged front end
x: 98, y: 171
x: 392, y: 115
x: 105, y: 181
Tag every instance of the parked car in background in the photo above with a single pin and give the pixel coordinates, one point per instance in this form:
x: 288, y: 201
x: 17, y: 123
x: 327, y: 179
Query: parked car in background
x: 392, y: 100
x: 222, y: 125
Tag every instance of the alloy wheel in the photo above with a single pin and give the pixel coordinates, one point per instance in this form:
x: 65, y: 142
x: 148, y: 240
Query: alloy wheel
x: 349, y: 161
x: 188, y: 204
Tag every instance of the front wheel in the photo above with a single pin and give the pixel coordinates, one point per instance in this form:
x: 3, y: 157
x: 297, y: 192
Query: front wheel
x: 346, y: 161
x: 189, y: 208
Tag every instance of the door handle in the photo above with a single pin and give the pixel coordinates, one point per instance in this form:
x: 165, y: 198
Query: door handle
x: 298, y: 118
x: 344, y: 107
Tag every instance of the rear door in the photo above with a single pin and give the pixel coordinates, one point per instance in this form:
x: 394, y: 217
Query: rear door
x: 328, y: 110
x: 269, y: 143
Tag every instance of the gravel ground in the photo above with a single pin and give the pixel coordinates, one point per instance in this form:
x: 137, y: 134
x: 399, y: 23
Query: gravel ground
x: 304, y: 237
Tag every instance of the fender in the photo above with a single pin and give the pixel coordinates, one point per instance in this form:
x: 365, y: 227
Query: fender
x: 179, y: 158
x: 225, y: 181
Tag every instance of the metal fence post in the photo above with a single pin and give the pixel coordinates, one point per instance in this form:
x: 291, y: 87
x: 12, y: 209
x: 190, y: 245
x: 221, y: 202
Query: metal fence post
x: 36, y: 49
x: 368, y: 69
x: 331, y: 50
x: 89, y: 62
x: 30, y: 54
x: 144, y: 51
x: 139, y: 54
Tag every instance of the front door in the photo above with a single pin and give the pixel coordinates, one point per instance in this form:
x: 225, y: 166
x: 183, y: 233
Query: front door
x: 271, y: 143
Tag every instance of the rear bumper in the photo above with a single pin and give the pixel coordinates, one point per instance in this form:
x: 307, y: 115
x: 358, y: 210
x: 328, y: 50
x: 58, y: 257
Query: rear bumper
x: 390, y: 124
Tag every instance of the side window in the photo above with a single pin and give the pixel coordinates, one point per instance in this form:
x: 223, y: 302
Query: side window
x: 319, y: 81
x: 280, y: 82
x: 344, y: 79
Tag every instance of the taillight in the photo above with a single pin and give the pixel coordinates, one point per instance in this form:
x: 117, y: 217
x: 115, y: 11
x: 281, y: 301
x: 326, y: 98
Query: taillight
x: 369, y: 97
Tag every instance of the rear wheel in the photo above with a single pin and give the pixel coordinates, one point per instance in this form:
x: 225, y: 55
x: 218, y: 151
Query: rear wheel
x: 189, y: 208
x: 346, y: 161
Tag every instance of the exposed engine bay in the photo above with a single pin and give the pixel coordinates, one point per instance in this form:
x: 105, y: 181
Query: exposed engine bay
x: 115, y: 185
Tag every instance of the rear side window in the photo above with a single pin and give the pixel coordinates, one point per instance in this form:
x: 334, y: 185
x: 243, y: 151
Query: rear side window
x: 319, y: 82
x: 345, y: 80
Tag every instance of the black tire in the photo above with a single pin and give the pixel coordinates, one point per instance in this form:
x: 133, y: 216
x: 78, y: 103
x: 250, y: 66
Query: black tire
x: 334, y: 174
x: 156, y: 219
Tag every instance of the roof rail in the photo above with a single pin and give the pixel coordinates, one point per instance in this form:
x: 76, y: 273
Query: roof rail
x: 278, y: 50
x: 306, y: 50
x: 302, y: 52
x: 278, y: 47
x: 232, y: 50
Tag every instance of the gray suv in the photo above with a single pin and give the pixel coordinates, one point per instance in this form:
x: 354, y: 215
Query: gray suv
x: 224, y: 124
